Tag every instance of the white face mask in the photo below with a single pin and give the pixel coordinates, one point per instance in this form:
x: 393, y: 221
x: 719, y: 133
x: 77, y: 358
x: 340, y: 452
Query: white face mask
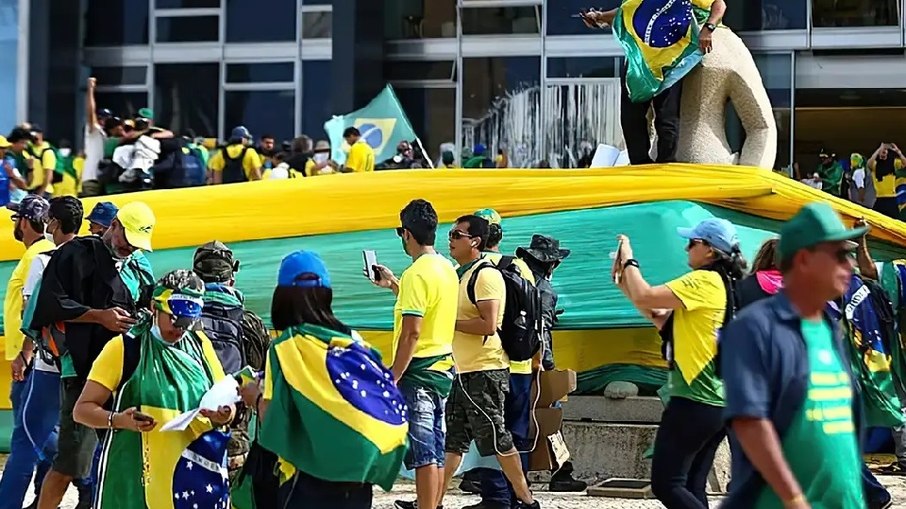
x: 47, y: 235
x: 321, y: 157
x: 65, y: 152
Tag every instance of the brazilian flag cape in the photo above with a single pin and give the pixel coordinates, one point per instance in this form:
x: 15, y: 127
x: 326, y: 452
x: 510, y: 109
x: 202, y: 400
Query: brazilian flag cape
x: 334, y: 410
x: 660, y: 41
x: 165, y: 469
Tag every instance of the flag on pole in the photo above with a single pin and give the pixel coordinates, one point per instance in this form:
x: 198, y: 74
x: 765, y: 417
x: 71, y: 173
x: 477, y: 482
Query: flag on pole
x: 383, y: 125
x: 660, y: 40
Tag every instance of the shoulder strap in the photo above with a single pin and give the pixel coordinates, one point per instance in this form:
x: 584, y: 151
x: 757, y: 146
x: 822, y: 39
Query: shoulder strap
x: 470, y: 288
x: 132, y: 352
x: 505, y: 261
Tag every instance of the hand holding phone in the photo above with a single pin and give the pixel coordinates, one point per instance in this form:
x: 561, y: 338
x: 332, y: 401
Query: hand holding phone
x: 616, y: 270
x: 370, y: 266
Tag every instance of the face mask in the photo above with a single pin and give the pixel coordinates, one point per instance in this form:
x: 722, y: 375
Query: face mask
x: 320, y: 157
x: 65, y: 152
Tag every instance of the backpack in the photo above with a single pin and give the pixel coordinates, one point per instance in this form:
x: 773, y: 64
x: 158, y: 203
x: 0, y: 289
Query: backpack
x: 233, y: 170
x: 255, y: 339
x: 520, y: 332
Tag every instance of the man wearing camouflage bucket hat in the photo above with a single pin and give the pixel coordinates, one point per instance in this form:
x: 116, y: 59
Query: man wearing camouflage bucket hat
x: 159, y: 369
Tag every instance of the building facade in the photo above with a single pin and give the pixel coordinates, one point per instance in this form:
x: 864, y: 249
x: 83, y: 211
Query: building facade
x: 523, y: 75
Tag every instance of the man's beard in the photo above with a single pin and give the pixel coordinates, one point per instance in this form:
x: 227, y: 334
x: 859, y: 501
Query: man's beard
x: 18, y: 233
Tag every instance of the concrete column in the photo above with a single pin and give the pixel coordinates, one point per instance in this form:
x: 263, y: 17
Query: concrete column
x: 358, y: 53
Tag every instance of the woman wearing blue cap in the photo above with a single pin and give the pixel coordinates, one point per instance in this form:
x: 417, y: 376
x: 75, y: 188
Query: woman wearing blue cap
x: 329, y: 410
x: 689, y: 311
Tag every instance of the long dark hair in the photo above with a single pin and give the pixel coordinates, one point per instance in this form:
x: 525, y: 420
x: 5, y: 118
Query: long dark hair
x: 731, y: 267
x: 294, y: 305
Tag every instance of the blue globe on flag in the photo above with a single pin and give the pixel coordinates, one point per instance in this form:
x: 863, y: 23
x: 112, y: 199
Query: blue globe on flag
x: 372, y: 135
x: 662, y: 23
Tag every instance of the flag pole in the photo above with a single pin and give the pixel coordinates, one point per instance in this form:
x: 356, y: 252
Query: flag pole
x: 424, y: 153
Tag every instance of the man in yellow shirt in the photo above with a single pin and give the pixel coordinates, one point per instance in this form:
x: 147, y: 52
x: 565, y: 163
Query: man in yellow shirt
x: 423, y: 321
x: 884, y: 169
x: 361, y: 155
x: 475, y: 410
x: 45, y: 158
x: 237, y: 161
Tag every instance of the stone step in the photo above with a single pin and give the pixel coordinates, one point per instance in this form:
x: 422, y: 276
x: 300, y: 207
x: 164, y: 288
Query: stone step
x: 635, y: 409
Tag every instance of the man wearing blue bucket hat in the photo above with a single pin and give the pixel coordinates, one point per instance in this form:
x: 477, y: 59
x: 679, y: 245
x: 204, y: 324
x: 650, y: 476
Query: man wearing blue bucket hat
x: 101, y: 216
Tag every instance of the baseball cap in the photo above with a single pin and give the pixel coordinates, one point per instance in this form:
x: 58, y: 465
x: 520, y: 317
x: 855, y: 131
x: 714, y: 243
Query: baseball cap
x: 103, y: 214
x: 4, y: 143
x: 301, y: 263
x: 214, y: 261
x: 138, y: 220
x: 489, y: 215
x: 104, y: 113
x: 824, y: 153
x: 31, y: 207
x: 814, y: 224
x: 180, y: 293
x: 146, y: 113
x: 719, y: 233
x: 240, y: 133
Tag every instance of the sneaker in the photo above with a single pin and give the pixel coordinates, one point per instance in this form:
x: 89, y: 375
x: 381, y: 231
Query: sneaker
x: 487, y: 505
x: 522, y: 505
x: 567, y: 485
x: 468, y: 486
x: 405, y: 504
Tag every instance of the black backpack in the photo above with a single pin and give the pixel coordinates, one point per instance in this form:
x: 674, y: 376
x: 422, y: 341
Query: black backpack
x: 223, y: 326
x: 255, y: 339
x: 520, y: 333
x: 233, y: 170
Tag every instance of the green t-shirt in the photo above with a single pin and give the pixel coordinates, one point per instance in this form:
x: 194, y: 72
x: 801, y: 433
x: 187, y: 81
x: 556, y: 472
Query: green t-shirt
x: 820, y: 445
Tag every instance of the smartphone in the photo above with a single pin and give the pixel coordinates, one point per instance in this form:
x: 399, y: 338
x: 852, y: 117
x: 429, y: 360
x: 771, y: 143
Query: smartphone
x: 370, y: 259
x: 138, y: 416
x: 618, y: 263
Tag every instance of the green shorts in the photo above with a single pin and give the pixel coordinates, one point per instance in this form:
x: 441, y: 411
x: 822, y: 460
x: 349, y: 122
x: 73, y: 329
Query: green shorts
x: 475, y: 411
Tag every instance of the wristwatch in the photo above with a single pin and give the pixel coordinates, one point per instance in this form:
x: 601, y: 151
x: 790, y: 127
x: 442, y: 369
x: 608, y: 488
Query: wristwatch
x: 711, y: 26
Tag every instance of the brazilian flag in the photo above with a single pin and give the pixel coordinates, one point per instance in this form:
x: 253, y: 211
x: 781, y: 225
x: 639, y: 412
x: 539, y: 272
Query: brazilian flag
x: 660, y: 41
x: 334, y: 411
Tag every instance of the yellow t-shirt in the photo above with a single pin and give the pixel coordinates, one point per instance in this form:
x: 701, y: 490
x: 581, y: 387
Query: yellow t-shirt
x: 250, y: 162
x: 310, y: 170
x: 472, y: 352
x: 107, y: 369
x: 695, y: 328
x: 361, y: 157
x: 13, y: 303
x: 47, y: 159
x: 887, y: 187
x: 517, y: 367
x: 429, y: 289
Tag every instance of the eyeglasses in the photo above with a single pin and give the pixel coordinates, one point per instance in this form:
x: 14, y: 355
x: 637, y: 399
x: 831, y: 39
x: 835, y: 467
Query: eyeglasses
x: 459, y: 234
x: 695, y: 242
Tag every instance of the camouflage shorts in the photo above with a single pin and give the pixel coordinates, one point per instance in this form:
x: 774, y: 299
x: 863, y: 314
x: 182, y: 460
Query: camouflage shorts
x: 475, y: 412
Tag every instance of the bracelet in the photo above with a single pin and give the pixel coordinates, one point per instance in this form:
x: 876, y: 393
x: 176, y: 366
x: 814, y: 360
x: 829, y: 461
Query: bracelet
x: 632, y: 262
x: 798, y: 499
x: 110, y: 420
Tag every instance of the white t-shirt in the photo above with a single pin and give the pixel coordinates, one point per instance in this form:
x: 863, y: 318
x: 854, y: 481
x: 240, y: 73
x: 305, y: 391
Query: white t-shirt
x: 94, y: 152
x: 35, y: 272
x: 859, y: 178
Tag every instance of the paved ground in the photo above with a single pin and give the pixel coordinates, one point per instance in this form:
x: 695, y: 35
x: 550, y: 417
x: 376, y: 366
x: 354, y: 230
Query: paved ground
x: 454, y: 500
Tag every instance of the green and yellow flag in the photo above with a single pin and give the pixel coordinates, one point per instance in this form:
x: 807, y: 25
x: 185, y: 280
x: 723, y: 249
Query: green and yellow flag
x: 334, y: 411
x: 660, y: 41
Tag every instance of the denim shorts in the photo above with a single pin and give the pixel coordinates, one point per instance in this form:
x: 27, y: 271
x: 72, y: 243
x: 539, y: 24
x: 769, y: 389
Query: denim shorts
x: 426, y: 426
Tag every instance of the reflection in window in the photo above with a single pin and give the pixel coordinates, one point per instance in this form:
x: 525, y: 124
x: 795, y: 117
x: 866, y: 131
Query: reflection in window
x: 9, y: 64
x: 560, y: 20
x: 317, y: 25
x: 578, y: 117
x: 756, y: 15
x: 406, y: 70
x: 432, y: 112
x: 186, y: 4
x: 501, y: 20
x: 260, y: 73
x: 584, y: 67
x: 410, y: 19
x: 316, y: 103
x: 136, y: 75
x: 111, y: 23
x: 501, y: 106
x: 262, y: 112
x: 855, y: 13
x: 250, y: 21
x: 186, y: 96
x: 122, y: 104
x: 188, y: 29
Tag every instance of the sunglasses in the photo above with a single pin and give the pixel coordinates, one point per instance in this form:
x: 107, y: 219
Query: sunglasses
x: 695, y: 242
x: 841, y: 255
x: 458, y: 234
x: 399, y: 231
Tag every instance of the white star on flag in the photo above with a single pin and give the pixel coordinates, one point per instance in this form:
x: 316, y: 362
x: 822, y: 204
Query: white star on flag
x: 209, y: 488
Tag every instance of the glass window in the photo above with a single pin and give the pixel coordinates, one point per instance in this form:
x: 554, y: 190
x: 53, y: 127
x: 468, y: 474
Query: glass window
x: 136, y: 75
x: 316, y: 97
x: 400, y: 70
x: 317, y: 2
x: 560, y: 20
x: 411, y: 19
x: 584, y: 67
x: 579, y: 117
x: 188, y: 29
x: 432, y: 112
x: 186, y: 97
x: 122, y: 104
x: 855, y: 13
x: 259, y: 73
x: 756, y: 15
x: 317, y: 25
x: 501, y: 106
x: 187, y: 4
x: 501, y: 20
x: 111, y: 23
x: 250, y: 21
x: 262, y: 112
x: 9, y: 68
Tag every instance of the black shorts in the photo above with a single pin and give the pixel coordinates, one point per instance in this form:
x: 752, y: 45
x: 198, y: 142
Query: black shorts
x: 475, y: 411
x: 75, y: 449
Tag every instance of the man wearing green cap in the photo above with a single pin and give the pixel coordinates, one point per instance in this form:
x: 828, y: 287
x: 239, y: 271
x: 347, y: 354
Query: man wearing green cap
x: 790, y: 393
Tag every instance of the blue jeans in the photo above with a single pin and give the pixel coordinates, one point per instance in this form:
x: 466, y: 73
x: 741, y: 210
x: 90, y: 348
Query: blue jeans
x: 426, y: 426
x: 876, y: 495
x: 36, y: 410
x: 495, y: 489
